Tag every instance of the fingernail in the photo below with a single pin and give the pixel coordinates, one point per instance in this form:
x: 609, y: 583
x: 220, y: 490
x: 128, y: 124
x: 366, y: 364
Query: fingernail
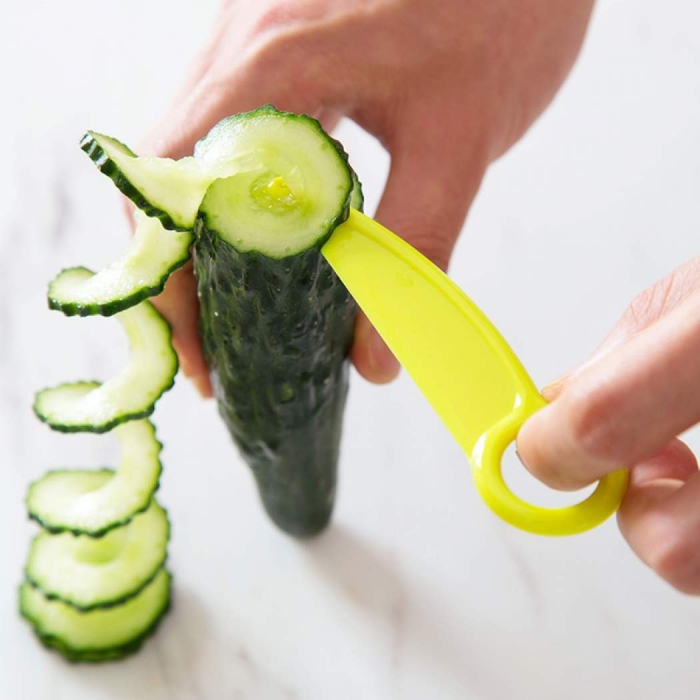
x: 551, y: 391
x: 384, y: 365
x: 520, y: 459
x: 202, y: 384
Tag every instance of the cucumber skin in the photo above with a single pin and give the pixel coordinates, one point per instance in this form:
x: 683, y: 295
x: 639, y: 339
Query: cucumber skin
x: 107, y: 167
x: 98, y: 655
x: 117, y: 305
x: 271, y: 328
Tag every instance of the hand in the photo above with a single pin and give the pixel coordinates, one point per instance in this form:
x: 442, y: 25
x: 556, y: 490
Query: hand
x: 625, y: 407
x: 445, y: 86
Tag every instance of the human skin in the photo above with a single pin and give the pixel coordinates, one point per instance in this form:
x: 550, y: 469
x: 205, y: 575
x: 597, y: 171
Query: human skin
x: 625, y: 407
x: 446, y: 87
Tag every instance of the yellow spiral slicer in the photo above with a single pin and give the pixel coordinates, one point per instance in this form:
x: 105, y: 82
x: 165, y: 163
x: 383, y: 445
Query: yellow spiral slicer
x: 460, y: 362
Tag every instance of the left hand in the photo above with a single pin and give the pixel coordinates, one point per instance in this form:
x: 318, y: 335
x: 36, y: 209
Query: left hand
x: 446, y: 87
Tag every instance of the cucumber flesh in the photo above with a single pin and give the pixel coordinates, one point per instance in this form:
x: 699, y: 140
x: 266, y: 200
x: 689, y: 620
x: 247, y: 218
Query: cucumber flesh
x: 153, y: 255
x: 291, y: 187
x: 166, y: 189
x: 276, y: 322
x: 132, y: 393
x: 93, y: 572
x: 99, y: 635
x: 287, y: 177
x: 94, y: 502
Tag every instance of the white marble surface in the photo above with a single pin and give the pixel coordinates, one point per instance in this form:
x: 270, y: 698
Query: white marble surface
x: 416, y: 591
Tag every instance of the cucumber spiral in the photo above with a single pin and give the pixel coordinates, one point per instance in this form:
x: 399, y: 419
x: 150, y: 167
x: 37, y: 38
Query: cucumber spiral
x: 95, y: 580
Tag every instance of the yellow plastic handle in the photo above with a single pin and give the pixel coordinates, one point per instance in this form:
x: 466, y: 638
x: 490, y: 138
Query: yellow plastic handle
x: 570, y: 520
x: 461, y: 363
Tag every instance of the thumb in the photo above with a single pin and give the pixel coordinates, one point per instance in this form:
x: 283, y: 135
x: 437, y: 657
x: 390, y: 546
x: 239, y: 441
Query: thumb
x: 425, y: 201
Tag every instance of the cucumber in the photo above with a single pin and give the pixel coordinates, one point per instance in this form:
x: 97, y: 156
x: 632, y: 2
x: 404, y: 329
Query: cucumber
x: 165, y: 189
x: 276, y: 322
x: 99, y: 572
x: 95, y: 502
x: 132, y: 393
x: 153, y: 255
x: 99, y: 635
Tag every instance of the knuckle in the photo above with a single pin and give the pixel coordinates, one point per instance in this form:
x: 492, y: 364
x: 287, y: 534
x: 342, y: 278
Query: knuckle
x: 428, y: 238
x: 651, y: 303
x: 277, y: 15
x: 663, y: 296
x: 289, y: 64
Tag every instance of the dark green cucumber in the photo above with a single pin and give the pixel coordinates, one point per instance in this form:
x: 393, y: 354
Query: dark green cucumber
x: 98, y: 635
x: 276, y: 322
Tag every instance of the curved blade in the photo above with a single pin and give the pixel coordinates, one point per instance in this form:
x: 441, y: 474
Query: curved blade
x: 452, y: 351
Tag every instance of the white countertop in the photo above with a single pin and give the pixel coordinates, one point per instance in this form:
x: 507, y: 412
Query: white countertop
x: 417, y: 591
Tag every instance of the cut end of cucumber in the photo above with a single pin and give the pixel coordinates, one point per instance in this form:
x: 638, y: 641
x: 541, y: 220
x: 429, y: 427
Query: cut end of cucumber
x: 98, y: 635
x: 99, y: 572
x: 291, y: 185
x: 95, y: 502
x: 166, y: 189
x: 131, y: 394
x: 154, y: 254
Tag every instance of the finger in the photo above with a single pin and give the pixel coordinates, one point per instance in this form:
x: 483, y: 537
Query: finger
x: 425, y: 201
x: 178, y: 303
x: 329, y: 118
x: 660, y: 515
x: 622, y: 409
x: 370, y: 355
x: 204, y: 102
x: 159, y: 141
x: 674, y: 461
x: 653, y: 303
x: 268, y: 75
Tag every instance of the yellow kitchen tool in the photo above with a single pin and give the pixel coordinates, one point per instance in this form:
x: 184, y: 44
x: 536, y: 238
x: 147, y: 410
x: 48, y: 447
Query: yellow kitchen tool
x: 460, y: 362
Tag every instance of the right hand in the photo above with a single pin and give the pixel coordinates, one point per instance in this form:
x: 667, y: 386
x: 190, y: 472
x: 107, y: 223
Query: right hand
x: 446, y: 86
x: 625, y: 407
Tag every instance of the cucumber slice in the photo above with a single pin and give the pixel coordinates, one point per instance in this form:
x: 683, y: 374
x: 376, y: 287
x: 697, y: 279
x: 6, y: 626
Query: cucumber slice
x: 99, y: 635
x: 357, y: 197
x: 99, y: 572
x: 153, y: 255
x: 97, y: 408
x: 95, y: 502
x: 166, y: 189
x: 291, y: 187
